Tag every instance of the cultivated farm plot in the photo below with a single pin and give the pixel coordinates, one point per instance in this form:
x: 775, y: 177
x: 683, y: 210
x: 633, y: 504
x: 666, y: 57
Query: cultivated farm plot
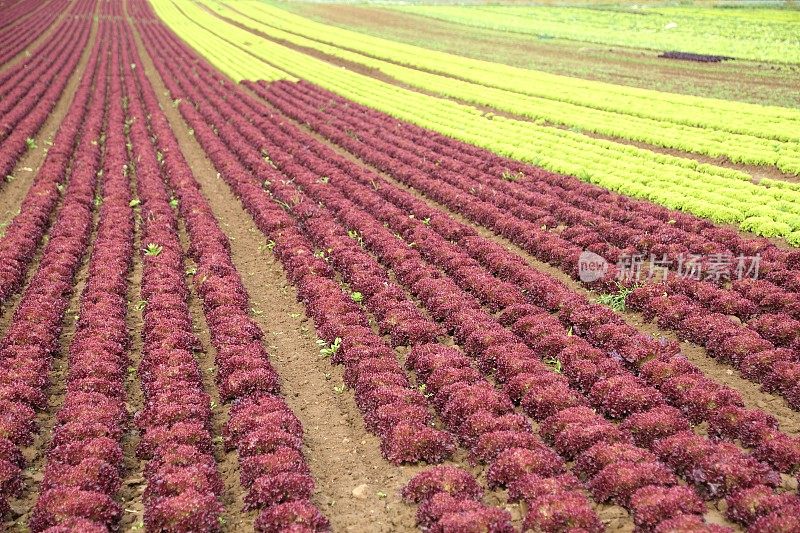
x: 274, y: 268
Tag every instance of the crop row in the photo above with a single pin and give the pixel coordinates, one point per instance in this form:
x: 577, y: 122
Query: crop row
x: 720, y: 194
x: 32, y: 338
x: 261, y: 428
x: 617, y: 224
x: 376, y: 373
x: 16, y: 10
x: 537, y: 404
x: 183, y: 484
x: 333, y: 311
x: 25, y: 110
x: 758, y: 120
x: 483, y: 201
x: 720, y: 454
x: 763, y: 35
x: 25, y: 232
x: 85, y: 460
x: 23, y: 31
x: 613, y: 335
x: 414, y: 68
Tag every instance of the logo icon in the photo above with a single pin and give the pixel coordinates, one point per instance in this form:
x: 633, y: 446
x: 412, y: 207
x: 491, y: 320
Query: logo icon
x: 591, y: 267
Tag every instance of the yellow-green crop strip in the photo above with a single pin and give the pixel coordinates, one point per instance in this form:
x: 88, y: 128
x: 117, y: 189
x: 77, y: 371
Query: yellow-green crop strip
x: 388, y: 57
x: 755, y: 34
x: 713, y: 192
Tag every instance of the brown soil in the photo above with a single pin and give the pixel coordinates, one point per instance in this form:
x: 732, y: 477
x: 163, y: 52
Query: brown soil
x: 133, y: 481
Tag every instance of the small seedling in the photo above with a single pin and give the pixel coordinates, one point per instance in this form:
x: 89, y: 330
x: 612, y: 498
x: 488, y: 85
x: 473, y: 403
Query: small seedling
x: 135, y: 202
x: 324, y: 179
x: 9, y: 178
x: 191, y: 271
x: 327, y: 350
x: 353, y: 234
x: 30, y: 143
x: 426, y: 221
x: 141, y: 304
x: 173, y: 202
x: 338, y: 389
x: 512, y: 176
x: 554, y: 363
x: 356, y: 296
x: 382, y: 495
x: 153, y: 249
x: 616, y: 300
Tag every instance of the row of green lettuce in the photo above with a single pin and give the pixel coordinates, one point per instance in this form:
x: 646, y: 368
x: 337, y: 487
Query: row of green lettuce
x: 740, y: 148
x: 754, y: 34
x: 720, y: 194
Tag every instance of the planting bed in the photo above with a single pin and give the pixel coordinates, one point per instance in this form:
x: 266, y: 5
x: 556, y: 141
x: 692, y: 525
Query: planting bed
x: 268, y: 303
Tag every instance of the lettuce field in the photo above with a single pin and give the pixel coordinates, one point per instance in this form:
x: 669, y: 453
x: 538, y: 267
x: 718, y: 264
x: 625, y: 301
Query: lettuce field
x: 311, y: 267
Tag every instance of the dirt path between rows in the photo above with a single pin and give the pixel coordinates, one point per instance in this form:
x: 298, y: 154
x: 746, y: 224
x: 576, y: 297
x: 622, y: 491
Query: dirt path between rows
x: 341, y: 454
x: 234, y: 517
x: 133, y: 481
